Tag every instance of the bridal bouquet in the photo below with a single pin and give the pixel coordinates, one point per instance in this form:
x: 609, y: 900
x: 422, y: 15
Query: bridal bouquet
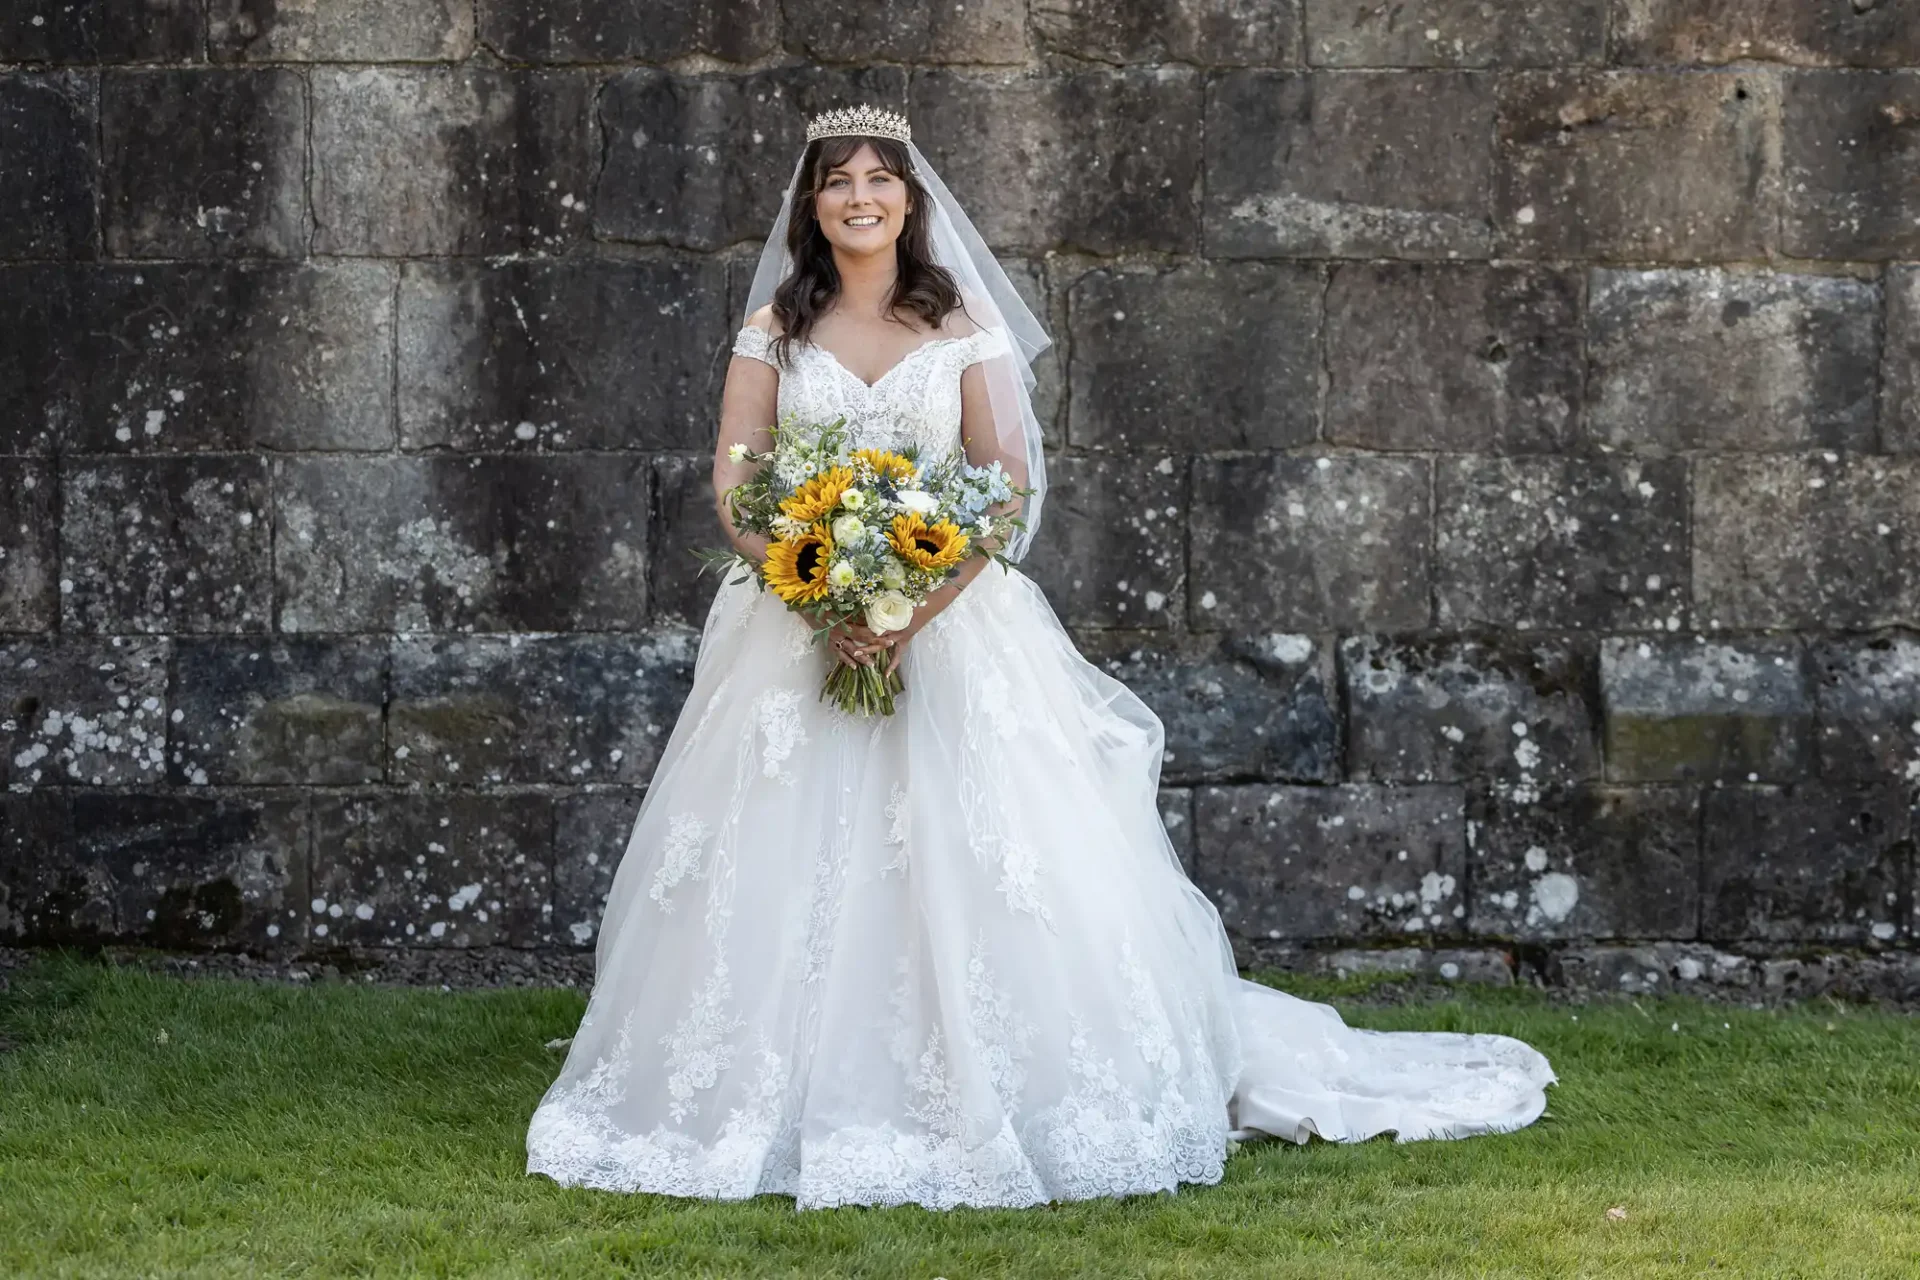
x: 862, y: 535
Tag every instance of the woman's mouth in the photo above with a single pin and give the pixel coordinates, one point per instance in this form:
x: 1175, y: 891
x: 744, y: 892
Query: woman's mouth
x: 864, y: 220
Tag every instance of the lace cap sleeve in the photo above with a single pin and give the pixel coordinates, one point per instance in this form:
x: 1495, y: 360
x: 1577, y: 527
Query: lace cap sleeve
x: 754, y: 343
x: 984, y: 345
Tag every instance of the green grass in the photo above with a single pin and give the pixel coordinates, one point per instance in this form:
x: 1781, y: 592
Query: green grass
x: 341, y: 1130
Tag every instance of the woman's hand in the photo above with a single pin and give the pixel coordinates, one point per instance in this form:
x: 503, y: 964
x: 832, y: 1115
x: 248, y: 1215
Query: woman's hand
x: 849, y: 642
x: 859, y: 644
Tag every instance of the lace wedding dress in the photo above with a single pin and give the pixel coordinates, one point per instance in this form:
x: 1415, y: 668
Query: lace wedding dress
x: 947, y: 957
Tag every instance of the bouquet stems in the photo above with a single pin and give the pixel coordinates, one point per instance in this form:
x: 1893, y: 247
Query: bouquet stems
x: 862, y: 690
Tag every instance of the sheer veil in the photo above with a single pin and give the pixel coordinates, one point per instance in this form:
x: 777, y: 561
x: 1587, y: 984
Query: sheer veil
x: 992, y: 302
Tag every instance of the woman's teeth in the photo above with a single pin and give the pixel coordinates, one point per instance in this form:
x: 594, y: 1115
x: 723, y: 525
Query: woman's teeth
x: 864, y: 221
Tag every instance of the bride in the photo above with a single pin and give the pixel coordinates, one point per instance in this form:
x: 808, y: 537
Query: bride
x: 948, y: 956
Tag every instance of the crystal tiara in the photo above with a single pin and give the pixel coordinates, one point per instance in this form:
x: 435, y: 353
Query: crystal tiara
x: 859, y: 122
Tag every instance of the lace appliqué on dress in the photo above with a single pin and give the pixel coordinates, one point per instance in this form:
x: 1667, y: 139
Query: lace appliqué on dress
x: 679, y: 857
x: 780, y: 726
x: 899, y: 822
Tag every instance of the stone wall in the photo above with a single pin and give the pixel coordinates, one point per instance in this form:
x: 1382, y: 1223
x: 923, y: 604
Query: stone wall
x: 1488, y: 434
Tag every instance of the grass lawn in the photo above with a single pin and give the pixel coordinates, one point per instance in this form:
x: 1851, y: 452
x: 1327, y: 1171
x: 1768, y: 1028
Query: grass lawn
x: 151, y: 1125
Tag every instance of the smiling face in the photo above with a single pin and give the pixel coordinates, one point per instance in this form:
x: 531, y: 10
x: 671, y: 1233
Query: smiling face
x: 862, y: 206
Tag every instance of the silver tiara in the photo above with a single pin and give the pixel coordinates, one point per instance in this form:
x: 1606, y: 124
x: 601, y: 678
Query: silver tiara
x: 859, y: 122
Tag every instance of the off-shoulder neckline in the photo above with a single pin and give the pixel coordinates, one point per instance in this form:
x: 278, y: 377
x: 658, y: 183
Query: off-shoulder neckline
x: 891, y: 369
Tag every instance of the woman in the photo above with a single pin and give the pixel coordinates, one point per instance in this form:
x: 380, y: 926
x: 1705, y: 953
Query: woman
x: 947, y: 956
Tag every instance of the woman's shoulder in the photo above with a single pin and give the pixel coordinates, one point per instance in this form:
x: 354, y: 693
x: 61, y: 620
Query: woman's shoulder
x: 765, y: 321
x: 755, y: 339
x: 970, y: 339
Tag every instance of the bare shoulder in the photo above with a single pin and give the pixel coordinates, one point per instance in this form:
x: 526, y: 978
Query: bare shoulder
x: 765, y: 321
x: 960, y: 323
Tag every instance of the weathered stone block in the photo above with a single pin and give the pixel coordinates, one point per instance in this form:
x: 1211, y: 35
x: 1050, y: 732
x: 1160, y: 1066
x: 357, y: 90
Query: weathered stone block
x: 1636, y: 164
x: 461, y: 544
x: 48, y: 894
x: 483, y: 710
x: 1441, y: 356
x: 317, y: 359
x: 1331, y: 543
x: 985, y: 31
x: 1867, y: 33
x: 1176, y: 815
x: 1585, y: 542
x: 1688, y: 359
x: 1048, y: 303
x: 1197, y: 358
x: 684, y: 520
x: 1354, y: 861
x: 48, y: 152
x: 1363, y: 164
x: 1813, y: 540
x: 1682, y: 708
x: 1900, y: 406
x: 1448, y: 709
x: 1112, y: 545
x: 35, y: 330
x: 1850, y: 164
x: 645, y: 30
x: 1456, y: 33
x: 199, y: 870
x: 1810, y: 862
x: 1485, y: 965
x: 204, y: 163
x: 1653, y: 968
x: 165, y: 544
x: 168, y: 357
x: 451, y: 160
x: 591, y: 828
x: 1234, y: 708
x: 424, y: 868
x: 561, y: 355
x: 701, y: 162
x: 1585, y: 862
x: 1212, y: 33
x: 297, y: 710
x: 101, y: 31
x: 340, y: 30
x: 1867, y: 695
x: 1008, y: 142
x: 85, y: 711
x: 29, y: 559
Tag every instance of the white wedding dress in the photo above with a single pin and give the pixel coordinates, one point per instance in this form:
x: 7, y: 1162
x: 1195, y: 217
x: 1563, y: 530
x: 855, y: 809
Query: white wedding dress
x: 947, y: 957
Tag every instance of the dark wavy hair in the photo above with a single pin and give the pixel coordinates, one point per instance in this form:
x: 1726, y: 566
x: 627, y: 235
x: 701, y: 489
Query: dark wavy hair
x: 922, y: 287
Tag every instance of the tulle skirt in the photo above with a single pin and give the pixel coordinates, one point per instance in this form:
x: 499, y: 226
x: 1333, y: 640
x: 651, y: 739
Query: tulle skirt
x: 949, y: 956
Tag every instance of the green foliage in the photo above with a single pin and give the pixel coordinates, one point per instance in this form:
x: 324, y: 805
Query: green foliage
x: 349, y: 1130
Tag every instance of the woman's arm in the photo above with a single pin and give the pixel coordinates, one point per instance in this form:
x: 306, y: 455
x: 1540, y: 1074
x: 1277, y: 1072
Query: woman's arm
x: 983, y: 448
x: 748, y: 406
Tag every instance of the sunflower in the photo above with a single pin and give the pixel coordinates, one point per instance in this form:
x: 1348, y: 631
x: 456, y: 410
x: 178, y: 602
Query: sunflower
x: 939, y: 546
x: 819, y: 495
x: 796, y: 568
x: 887, y: 463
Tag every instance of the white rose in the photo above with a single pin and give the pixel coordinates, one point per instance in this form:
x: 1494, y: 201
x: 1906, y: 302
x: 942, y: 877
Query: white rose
x: 737, y: 453
x: 917, y: 501
x: 849, y: 530
x: 894, y: 574
x: 889, y: 611
x: 853, y: 499
x: 842, y: 574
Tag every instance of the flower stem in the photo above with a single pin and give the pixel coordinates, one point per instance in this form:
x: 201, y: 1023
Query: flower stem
x: 862, y: 690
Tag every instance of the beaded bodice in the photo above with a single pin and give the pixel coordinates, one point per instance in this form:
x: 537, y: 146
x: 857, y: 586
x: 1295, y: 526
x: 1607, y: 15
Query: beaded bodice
x: 916, y: 402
